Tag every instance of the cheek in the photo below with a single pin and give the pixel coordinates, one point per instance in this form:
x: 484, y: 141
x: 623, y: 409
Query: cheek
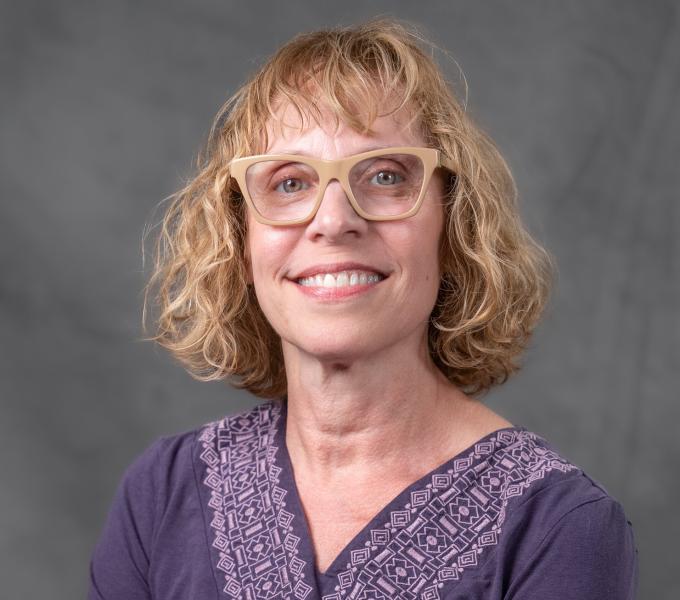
x: 268, y: 249
x: 419, y: 243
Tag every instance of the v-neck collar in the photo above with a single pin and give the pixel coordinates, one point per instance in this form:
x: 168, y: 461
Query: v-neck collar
x: 419, y: 544
x: 393, y: 516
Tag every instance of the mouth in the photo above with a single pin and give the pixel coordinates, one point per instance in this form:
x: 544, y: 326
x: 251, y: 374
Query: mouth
x: 341, y: 279
x: 344, y: 276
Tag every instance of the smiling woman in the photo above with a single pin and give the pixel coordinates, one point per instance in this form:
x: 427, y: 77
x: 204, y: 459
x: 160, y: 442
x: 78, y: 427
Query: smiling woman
x: 350, y: 251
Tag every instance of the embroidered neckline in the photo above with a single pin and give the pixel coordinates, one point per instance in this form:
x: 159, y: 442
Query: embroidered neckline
x: 450, y: 516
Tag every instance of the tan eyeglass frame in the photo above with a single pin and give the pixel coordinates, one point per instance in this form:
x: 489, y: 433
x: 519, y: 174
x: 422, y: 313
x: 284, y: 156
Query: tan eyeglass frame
x: 339, y: 170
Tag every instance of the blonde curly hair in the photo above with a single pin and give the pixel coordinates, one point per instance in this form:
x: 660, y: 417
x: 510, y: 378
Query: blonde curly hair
x: 495, y: 278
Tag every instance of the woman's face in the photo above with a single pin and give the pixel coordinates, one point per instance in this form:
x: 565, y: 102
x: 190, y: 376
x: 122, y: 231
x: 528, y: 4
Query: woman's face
x: 352, y: 321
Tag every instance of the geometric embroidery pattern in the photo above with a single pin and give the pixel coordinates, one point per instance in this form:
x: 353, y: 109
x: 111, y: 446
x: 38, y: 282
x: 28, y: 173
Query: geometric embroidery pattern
x: 251, y: 530
x: 423, y: 547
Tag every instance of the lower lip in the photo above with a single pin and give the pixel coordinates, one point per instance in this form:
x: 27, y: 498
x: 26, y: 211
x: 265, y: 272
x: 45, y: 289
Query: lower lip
x: 330, y: 294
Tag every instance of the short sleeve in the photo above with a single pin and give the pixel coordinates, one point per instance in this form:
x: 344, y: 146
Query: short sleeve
x: 588, y: 554
x: 120, y: 562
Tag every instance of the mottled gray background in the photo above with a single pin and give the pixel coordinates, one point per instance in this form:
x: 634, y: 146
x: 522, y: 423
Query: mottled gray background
x: 103, y: 108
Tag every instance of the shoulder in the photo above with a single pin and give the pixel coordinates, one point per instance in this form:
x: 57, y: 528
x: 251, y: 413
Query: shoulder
x: 169, y: 460
x: 539, y: 475
x: 157, y: 505
x: 170, y: 466
x: 557, y: 521
x: 536, y: 471
x: 542, y: 486
x: 158, y: 478
x: 162, y: 471
x: 168, y: 453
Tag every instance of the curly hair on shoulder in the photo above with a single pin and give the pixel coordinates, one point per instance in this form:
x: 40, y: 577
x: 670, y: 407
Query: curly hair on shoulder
x: 495, y: 278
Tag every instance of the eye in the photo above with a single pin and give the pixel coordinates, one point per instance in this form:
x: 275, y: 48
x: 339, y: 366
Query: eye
x: 386, y: 178
x: 291, y: 185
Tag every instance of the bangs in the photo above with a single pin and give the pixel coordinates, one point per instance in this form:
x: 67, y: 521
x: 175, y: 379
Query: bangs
x: 353, y: 79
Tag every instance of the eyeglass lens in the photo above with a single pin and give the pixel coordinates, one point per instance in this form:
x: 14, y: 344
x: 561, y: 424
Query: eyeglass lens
x: 387, y: 185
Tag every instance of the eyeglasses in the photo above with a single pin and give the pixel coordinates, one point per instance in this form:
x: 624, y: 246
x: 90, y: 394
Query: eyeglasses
x: 381, y: 185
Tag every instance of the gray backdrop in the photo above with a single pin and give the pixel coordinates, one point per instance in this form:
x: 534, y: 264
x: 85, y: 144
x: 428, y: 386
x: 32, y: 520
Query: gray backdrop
x: 103, y: 107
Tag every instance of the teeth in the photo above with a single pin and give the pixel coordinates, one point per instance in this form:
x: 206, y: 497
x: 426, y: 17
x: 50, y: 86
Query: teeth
x: 342, y: 279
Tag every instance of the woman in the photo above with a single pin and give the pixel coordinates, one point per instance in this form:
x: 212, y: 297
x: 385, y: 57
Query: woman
x: 351, y: 252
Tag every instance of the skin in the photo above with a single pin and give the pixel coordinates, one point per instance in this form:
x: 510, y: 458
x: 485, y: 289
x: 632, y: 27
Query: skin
x: 369, y: 413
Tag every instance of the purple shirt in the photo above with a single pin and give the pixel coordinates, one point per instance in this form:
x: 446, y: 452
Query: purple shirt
x: 214, y: 514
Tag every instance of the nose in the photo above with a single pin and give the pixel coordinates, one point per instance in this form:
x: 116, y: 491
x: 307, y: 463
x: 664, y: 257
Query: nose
x: 335, y: 217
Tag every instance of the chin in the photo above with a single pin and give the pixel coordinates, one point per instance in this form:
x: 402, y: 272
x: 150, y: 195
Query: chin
x: 331, y: 346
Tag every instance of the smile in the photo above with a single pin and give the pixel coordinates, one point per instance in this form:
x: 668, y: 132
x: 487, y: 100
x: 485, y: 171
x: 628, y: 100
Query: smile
x: 342, y: 279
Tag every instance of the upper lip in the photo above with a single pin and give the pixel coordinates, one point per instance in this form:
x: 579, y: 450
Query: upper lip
x: 337, y: 268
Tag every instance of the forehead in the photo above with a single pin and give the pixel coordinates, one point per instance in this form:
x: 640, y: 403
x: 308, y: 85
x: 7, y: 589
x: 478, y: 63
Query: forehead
x: 321, y: 128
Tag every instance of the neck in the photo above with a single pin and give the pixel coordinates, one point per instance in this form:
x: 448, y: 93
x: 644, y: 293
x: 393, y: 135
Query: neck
x: 347, y: 417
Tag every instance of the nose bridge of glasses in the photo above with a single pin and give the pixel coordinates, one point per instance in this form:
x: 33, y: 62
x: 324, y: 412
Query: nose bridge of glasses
x: 332, y: 170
